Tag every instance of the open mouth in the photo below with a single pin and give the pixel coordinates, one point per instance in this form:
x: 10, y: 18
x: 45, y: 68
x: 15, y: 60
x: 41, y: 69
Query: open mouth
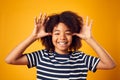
x: 62, y: 43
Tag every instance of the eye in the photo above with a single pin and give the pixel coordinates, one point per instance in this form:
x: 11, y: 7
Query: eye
x: 68, y: 33
x: 56, y: 33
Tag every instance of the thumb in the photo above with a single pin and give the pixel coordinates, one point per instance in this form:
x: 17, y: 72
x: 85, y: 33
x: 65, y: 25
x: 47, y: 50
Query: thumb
x: 48, y: 34
x: 77, y: 34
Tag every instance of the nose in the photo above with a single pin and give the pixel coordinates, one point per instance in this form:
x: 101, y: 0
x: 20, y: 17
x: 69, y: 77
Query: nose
x: 63, y: 37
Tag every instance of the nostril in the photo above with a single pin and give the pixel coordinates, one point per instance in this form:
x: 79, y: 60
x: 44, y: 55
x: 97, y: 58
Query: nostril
x: 63, y: 37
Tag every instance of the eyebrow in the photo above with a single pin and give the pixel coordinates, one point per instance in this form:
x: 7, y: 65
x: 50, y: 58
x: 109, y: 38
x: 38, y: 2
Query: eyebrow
x: 59, y: 30
x: 55, y: 30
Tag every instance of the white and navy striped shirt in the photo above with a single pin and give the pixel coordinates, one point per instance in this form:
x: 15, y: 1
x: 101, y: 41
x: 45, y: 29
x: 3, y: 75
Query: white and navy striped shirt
x: 53, y: 66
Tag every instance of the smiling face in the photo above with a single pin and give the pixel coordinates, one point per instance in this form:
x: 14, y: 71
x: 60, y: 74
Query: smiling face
x: 61, y: 38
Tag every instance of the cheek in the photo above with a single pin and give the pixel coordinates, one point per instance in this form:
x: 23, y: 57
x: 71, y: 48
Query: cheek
x: 70, y: 38
x: 54, y: 38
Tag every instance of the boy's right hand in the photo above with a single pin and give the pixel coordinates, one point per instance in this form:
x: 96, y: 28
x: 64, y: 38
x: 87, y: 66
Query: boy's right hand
x: 39, y: 29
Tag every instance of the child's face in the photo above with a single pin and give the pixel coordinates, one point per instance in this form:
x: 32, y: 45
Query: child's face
x: 61, y: 38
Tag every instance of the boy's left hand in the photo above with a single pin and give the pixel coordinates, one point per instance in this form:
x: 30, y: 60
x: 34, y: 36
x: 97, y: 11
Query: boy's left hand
x: 85, y: 32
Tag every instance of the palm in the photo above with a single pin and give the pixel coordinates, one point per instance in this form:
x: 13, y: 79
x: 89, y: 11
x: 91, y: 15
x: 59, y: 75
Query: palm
x: 85, y: 33
x: 39, y: 30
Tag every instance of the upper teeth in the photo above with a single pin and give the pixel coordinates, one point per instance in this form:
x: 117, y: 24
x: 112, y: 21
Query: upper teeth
x: 62, y: 42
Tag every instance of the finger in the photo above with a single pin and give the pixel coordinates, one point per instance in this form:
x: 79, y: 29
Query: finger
x: 46, y: 20
x: 35, y: 20
x: 75, y: 34
x: 91, y: 22
x: 48, y: 34
x: 43, y: 18
x: 86, y: 21
x: 40, y: 17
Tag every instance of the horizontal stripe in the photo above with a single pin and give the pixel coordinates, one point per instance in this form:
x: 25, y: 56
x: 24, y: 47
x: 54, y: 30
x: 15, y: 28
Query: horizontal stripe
x: 63, y: 65
x: 63, y: 73
x: 43, y: 77
x: 63, y: 69
x: 61, y: 76
x: 52, y: 66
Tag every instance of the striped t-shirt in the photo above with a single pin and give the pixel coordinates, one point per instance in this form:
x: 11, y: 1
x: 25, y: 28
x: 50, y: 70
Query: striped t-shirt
x: 53, y: 66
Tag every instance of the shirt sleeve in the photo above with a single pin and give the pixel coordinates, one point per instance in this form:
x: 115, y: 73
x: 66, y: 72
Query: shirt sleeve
x: 92, y: 62
x: 33, y: 58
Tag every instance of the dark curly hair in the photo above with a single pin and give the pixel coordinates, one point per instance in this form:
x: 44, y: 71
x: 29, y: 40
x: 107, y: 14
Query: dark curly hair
x: 72, y: 21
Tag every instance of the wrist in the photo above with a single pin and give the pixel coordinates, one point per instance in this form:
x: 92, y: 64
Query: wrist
x: 91, y: 41
x: 32, y: 38
x: 88, y: 39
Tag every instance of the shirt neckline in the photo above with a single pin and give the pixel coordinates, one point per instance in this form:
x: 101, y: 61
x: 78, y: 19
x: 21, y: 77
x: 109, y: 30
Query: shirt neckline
x: 62, y: 55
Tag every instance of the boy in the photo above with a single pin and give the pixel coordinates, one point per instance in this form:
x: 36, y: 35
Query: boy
x: 61, y: 34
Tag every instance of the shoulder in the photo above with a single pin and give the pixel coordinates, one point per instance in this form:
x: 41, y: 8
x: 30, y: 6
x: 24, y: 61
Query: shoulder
x: 78, y: 54
x: 37, y: 53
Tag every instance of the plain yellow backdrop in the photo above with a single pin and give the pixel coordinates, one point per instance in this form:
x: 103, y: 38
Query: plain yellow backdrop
x: 17, y: 22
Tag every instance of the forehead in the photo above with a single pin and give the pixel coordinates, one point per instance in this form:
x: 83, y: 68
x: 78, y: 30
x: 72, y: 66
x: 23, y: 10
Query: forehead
x: 61, y: 27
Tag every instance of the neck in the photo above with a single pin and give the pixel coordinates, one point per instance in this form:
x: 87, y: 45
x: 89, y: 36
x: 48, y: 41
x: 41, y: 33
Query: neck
x: 62, y: 52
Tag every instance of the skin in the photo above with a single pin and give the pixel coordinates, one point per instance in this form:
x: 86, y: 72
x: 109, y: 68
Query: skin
x: 60, y: 34
x: 61, y: 38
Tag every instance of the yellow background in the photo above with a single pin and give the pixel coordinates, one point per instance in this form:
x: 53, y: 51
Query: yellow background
x: 17, y: 22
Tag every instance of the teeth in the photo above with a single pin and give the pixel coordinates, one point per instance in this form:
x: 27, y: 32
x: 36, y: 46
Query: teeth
x: 62, y: 43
